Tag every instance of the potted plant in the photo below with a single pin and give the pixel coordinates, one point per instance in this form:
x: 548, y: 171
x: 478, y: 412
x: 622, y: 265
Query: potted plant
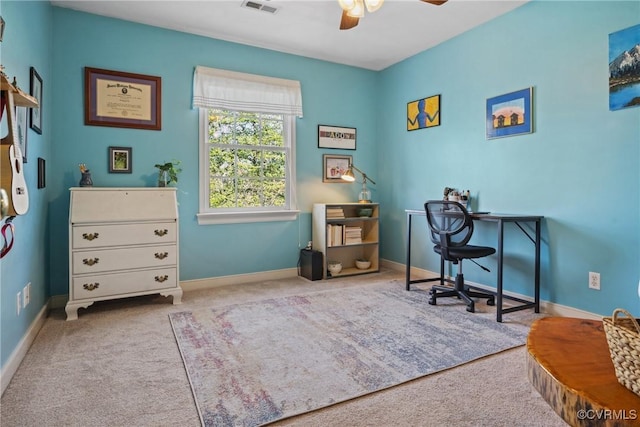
x: 168, y: 172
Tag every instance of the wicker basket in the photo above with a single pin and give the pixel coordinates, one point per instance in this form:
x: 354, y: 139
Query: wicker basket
x: 623, y: 337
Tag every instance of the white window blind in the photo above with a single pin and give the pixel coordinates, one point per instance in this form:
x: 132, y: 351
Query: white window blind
x: 231, y: 90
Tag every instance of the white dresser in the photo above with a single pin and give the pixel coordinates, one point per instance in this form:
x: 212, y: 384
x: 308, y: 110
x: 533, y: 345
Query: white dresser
x: 123, y: 242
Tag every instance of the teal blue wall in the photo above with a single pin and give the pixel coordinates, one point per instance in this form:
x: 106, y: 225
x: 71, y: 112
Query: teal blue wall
x: 580, y: 168
x: 27, y: 43
x: 332, y: 94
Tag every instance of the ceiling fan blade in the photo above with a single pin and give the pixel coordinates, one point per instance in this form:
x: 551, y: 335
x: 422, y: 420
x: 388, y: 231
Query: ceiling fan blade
x: 436, y: 2
x: 347, y: 22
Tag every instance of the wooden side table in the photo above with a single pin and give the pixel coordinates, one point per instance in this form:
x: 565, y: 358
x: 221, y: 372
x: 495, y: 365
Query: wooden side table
x: 568, y: 362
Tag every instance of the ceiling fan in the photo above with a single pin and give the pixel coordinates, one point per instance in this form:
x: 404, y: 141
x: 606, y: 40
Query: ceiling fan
x: 353, y: 10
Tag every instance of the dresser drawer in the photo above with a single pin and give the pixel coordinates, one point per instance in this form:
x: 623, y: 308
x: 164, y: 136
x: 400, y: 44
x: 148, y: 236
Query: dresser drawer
x: 95, y: 236
x: 123, y: 259
x: 115, y: 284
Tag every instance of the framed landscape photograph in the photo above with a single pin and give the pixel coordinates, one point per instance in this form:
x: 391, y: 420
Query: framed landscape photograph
x: 336, y: 137
x: 35, y: 120
x: 334, y: 167
x: 118, y: 99
x: 119, y: 159
x: 510, y: 114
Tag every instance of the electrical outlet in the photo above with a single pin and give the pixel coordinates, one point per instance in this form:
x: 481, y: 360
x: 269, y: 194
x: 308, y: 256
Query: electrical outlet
x: 26, y: 295
x: 19, y: 301
x: 594, y: 280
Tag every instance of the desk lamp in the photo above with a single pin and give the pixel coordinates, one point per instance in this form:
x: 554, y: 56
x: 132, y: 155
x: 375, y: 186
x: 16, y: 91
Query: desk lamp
x: 365, y: 194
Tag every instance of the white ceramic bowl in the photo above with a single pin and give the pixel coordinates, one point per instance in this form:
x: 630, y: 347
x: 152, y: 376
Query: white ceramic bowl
x: 363, y: 264
x: 334, y: 267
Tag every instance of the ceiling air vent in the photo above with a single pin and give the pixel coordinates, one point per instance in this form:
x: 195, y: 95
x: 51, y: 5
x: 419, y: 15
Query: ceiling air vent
x: 259, y: 6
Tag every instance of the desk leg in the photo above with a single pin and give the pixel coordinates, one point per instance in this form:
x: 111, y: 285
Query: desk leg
x: 408, y: 262
x: 537, y: 269
x: 500, y: 258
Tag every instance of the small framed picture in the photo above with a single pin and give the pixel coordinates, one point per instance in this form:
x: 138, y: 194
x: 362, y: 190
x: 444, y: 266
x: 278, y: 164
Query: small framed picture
x: 334, y: 167
x: 119, y: 159
x: 41, y: 173
x: 21, y: 120
x: 336, y: 137
x: 36, y: 91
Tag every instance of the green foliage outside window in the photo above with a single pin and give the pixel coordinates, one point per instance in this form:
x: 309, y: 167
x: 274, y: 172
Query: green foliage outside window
x: 247, y: 160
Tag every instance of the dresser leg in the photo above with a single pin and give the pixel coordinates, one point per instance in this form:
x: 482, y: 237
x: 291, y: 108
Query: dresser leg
x: 72, y: 309
x: 176, y: 294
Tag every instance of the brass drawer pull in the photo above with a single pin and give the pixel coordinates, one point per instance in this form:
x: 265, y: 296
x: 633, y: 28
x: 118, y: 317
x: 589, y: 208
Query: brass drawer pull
x: 90, y: 236
x: 90, y: 261
x: 161, y: 233
x: 91, y: 286
x: 162, y: 255
x: 162, y: 278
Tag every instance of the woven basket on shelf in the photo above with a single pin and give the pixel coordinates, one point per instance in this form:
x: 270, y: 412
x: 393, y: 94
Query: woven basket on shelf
x: 623, y: 337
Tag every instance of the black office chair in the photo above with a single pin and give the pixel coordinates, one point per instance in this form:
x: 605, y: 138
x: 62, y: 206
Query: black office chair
x: 451, y: 228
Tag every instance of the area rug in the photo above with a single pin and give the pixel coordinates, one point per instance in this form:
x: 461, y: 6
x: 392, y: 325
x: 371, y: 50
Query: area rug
x: 254, y: 363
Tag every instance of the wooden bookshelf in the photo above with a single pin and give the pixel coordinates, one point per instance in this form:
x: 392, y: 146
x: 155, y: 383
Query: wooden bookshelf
x: 341, y: 234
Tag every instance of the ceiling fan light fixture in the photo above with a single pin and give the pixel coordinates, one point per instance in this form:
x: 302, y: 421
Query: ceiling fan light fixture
x: 357, y: 11
x: 373, y: 5
x: 347, y: 5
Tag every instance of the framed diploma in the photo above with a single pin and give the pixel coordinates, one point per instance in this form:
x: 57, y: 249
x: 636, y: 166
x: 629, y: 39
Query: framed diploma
x: 118, y: 99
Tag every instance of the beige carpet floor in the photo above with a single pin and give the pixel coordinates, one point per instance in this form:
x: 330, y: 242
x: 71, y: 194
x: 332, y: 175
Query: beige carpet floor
x: 119, y: 365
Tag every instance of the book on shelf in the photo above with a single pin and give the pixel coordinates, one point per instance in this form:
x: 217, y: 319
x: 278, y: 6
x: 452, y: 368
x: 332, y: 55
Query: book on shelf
x: 352, y: 235
x: 333, y: 213
x: 340, y: 234
x: 335, y: 234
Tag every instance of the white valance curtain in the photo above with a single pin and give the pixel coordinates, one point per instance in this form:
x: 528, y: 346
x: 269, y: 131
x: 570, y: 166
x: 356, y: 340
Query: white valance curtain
x: 231, y: 90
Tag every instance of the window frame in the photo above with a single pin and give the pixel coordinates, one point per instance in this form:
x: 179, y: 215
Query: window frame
x: 208, y: 215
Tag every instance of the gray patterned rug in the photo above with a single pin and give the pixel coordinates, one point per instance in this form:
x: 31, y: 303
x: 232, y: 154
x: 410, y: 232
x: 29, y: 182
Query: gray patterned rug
x: 254, y: 363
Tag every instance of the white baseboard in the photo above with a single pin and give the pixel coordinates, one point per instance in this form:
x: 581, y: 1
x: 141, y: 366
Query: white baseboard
x: 553, y: 309
x: 9, y: 369
x: 237, y: 279
x: 546, y: 307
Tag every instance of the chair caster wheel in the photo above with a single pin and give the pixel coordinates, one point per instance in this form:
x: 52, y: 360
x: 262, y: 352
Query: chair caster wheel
x: 491, y: 301
x: 471, y: 308
x: 432, y: 297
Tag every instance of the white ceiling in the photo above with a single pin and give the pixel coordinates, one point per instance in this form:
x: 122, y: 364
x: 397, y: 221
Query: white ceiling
x: 400, y: 29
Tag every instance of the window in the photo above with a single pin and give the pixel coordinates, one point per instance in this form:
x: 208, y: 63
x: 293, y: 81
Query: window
x: 247, y: 146
x: 246, y: 159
